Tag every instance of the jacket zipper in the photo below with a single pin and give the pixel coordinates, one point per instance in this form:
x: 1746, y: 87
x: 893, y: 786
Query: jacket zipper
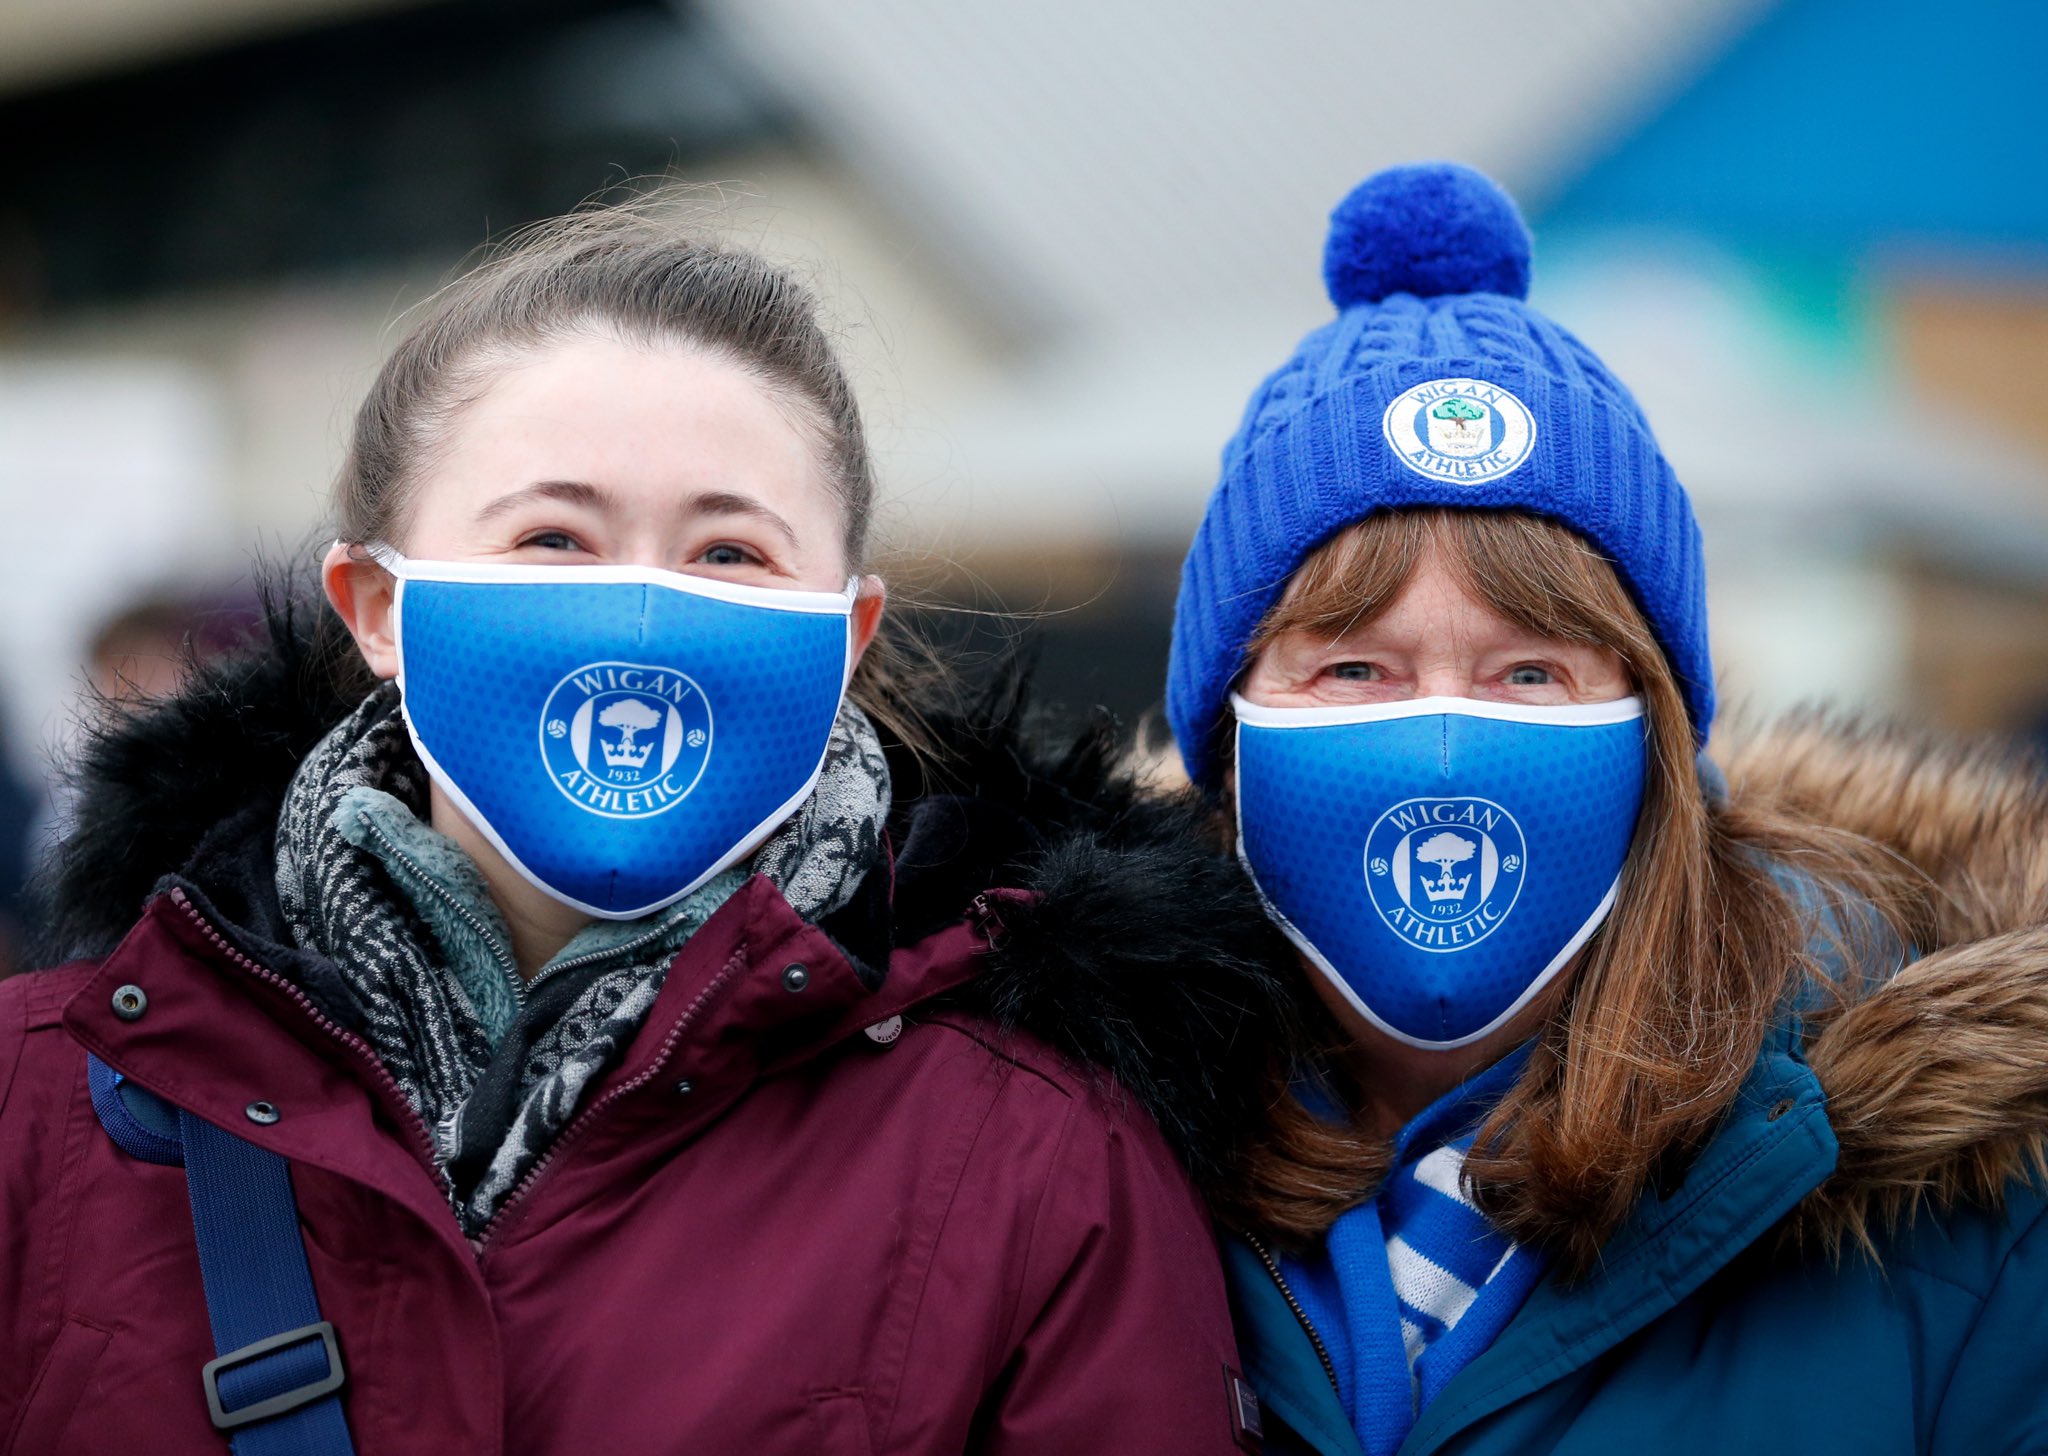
x: 646, y: 937
x: 582, y: 1121
x: 1273, y: 1268
x: 423, y: 1140
x: 507, y: 966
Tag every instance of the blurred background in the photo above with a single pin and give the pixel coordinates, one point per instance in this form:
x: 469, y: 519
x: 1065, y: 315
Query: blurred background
x: 1062, y: 241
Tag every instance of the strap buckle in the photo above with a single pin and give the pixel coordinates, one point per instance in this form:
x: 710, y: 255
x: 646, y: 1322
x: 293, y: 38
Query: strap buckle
x: 273, y: 1405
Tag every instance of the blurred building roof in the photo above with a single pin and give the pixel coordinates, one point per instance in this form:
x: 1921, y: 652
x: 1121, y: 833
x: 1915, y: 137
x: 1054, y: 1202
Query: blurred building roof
x: 372, y: 141
x: 1153, y: 159
x: 1835, y: 127
x: 1129, y: 201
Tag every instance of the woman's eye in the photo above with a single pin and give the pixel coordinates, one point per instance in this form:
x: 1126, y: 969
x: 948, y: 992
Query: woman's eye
x: 1353, y: 671
x: 725, y: 553
x: 1529, y: 675
x: 553, y: 541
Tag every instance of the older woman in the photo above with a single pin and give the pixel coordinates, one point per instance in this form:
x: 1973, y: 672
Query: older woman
x: 1617, y: 1123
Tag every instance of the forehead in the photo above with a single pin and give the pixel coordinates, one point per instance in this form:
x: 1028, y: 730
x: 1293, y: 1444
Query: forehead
x: 654, y: 424
x: 1433, y: 598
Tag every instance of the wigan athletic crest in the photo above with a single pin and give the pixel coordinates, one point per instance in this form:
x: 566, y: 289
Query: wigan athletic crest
x: 625, y: 739
x: 1461, y: 430
x: 1444, y: 873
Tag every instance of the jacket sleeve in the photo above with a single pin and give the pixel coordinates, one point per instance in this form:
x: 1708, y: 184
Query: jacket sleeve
x: 1127, y: 1343
x: 1997, y: 1397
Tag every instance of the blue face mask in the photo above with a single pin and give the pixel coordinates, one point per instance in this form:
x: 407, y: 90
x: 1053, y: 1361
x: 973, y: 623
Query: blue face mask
x: 619, y: 734
x: 1441, y: 859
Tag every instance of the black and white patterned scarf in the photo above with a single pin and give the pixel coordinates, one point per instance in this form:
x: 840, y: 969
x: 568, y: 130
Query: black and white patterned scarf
x: 496, y: 1067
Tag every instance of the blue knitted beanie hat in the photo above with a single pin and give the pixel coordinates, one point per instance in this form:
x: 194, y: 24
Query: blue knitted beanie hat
x: 1435, y: 386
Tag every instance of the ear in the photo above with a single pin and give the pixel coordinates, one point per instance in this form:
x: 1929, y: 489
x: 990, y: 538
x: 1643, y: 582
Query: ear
x: 867, y: 614
x: 366, y: 596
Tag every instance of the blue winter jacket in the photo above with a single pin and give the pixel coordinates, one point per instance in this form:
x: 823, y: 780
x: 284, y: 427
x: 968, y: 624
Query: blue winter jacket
x: 1717, y: 1321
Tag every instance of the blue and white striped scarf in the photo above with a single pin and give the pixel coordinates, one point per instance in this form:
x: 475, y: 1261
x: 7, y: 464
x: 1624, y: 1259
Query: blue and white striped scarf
x: 1409, y: 1288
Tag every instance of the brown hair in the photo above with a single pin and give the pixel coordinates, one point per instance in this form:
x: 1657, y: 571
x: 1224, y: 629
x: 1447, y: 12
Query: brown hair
x: 627, y: 270
x: 1675, y: 993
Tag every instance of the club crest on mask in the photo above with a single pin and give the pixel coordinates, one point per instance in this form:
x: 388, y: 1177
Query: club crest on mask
x: 1445, y: 872
x: 626, y: 740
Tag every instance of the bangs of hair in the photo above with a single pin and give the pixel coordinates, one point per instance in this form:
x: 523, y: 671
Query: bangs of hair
x: 1542, y: 576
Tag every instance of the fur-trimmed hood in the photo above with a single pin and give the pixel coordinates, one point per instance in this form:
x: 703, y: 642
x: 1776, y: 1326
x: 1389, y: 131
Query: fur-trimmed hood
x: 1936, y: 1079
x: 1134, y: 948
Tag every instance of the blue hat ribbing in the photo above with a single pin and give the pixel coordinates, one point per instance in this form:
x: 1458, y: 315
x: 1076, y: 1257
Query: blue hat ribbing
x: 1436, y: 386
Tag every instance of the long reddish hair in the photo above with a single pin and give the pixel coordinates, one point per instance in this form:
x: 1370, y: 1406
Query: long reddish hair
x: 1674, y: 995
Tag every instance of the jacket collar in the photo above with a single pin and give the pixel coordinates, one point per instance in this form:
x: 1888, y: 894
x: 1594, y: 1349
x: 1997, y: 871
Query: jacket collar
x: 1772, y: 1150
x: 221, y: 1030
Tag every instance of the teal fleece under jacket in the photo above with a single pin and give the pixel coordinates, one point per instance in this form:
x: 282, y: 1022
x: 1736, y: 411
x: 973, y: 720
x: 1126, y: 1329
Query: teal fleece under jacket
x: 1718, y: 1321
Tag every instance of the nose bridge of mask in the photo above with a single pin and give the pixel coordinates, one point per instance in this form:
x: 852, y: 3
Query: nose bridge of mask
x: 414, y: 568
x: 652, y: 581
x: 1439, y: 860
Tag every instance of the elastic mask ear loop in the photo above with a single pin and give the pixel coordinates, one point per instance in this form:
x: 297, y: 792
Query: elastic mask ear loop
x: 387, y: 556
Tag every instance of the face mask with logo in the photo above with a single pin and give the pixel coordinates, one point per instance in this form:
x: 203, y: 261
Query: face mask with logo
x: 1440, y: 859
x: 620, y: 734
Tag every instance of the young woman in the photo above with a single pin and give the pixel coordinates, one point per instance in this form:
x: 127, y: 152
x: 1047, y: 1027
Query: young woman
x: 547, y: 1022
x: 1634, y: 1110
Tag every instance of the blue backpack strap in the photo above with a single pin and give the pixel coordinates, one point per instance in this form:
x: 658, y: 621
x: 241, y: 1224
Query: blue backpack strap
x: 141, y: 1123
x: 279, y: 1366
x: 276, y: 1380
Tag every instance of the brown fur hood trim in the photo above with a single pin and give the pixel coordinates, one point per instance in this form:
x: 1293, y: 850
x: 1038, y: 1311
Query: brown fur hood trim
x: 1937, y: 1079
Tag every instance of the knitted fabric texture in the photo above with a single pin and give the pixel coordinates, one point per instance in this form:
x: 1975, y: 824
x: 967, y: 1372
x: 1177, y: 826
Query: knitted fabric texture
x: 1428, y: 267
x: 496, y: 1065
x: 1412, y: 1286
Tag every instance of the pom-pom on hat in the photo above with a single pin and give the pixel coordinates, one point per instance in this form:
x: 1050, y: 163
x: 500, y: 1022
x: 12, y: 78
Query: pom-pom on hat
x: 1427, y: 230
x: 1435, y: 386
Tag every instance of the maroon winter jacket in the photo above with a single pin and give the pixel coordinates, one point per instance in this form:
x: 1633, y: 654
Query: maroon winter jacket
x: 766, y: 1231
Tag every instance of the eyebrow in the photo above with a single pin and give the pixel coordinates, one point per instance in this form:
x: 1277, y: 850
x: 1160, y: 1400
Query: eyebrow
x: 570, y: 492
x: 594, y: 497
x: 732, y: 503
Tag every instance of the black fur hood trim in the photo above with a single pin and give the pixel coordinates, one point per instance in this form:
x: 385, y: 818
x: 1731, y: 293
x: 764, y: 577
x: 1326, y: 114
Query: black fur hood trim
x: 1147, y: 954
x: 166, y: 784
x: 1142, y: 948
x: 1138, y: 948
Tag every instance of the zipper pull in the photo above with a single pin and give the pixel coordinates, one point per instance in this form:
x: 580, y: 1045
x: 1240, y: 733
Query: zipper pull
x: 988, y: 920
x: 985, y: 912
